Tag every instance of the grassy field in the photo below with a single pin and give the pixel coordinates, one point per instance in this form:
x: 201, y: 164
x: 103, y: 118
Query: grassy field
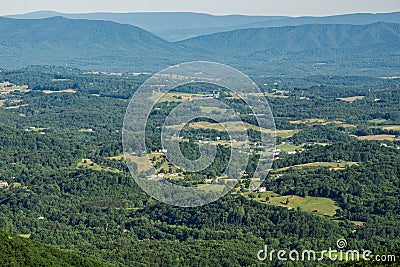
x: 286, y: 133
x: 16, y: 107
x: 378, y: 121
x: 333, y: 165
x: 212, y: 109
x: 24, y: 235
x: 392, y: 127
x: 314, y: 121
x: 237, y: 126
x: 174, y: 97
x: 351, y: 99
x: 88, y: 163
x: 315, y: 205
x: 60, y: 91
x: 234, y: 126
x: 287, y: 148
x: 308, y: 121
x: 378, y: 137
x: 211, y: 187
x: 6, y: 88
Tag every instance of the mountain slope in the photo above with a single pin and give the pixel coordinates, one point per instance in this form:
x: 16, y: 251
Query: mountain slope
x: 295, y: 39
x: 83, y: 43
x: 372, y: 49
x: 18, y: 251
x: 175, y: 26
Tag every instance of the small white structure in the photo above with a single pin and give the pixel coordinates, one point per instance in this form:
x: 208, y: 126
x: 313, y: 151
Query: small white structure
x: 40, y: 218
x: 262, y: 189
x: 277, y: 152
x: 3, y: 184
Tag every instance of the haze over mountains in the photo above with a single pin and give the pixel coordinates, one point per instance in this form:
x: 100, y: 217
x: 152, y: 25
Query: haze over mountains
x: 371, y: 49
x: 175, y: 26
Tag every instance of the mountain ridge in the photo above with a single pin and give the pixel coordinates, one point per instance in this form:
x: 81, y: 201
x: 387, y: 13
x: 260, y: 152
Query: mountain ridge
x: 175, y: 26
x: 371, y: 49
x: 68, y: 41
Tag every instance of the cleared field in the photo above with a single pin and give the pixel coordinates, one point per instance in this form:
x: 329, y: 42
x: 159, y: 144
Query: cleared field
x: 279, y: 94
x: 392, y: 127
x: 143, y: 163
x: 378, y: 137
x: 322, y: 122
x: 287, y: 147
x: 174, y: 97
x: 212, y: 109
x: 2, y: 102
x: 333, y: 165
x: 211, y: 187
x: 6, y: 88
x: 16, y: 107
x: 378, y: 121
x: 117, y: 157
x: 237, y: 126
x: 315, y: 205
x: 307, y: 121
x: 60, y: 91
x: 146, y: 163
x: 24, y: 235
x: 166, y: 165
x: 88, y: 163
x: 351, y: 99
x: 286, y: 133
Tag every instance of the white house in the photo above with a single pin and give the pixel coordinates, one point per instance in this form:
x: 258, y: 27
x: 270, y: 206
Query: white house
x: 262, y: 189
x: 3, y: 184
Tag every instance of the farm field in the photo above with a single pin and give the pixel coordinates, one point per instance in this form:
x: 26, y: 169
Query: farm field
x: 174, y: 97
x: 392, y: 127
x: 287, y: 147
x: 60, y: 91
x: 315, y: 205
x: 351, y: 99
x: 378, y: 137
x: 332, y: 165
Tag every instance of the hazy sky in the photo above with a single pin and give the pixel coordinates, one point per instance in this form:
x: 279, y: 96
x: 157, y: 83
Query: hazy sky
x: 250, y: 7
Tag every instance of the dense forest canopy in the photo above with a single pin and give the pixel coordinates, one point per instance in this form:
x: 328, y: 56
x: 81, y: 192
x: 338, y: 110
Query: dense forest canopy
x: 69, y: 185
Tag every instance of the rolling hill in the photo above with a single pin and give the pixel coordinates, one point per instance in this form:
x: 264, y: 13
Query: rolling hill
x: 175, y: 26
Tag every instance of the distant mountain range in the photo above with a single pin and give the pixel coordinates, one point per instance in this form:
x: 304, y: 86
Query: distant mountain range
x: 84, y: 43
x: 174, y: 26
x: 372, y: 49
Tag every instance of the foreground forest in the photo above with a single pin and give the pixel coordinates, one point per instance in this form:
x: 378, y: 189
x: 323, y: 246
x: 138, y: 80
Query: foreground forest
x: 69, y: 186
